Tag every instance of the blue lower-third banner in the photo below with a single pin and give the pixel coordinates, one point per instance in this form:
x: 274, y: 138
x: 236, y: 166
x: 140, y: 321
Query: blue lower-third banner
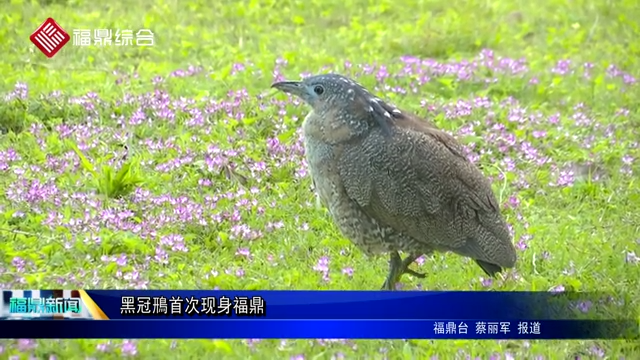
x: 303, y: 305
x: 315, y: 314
x: 306, y: 329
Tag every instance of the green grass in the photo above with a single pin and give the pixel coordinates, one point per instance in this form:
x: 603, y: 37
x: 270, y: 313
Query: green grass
x: 583, y: 235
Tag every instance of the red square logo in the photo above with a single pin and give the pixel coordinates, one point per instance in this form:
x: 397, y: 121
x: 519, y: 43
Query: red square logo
x: 49, y: 37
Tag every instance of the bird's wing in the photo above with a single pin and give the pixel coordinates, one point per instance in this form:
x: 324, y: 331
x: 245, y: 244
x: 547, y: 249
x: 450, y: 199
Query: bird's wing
x: 420, y: 183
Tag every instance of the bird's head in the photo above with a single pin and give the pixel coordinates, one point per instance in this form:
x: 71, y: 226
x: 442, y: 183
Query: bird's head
x: 342, y: 97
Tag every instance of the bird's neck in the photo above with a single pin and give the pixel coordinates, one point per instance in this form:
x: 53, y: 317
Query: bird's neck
x: 329, y: 128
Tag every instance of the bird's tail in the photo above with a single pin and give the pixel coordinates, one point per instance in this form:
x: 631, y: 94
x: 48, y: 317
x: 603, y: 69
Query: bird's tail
x: 488, y: 268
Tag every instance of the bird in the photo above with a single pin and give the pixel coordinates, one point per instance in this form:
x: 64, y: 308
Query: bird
x: 394, y: 182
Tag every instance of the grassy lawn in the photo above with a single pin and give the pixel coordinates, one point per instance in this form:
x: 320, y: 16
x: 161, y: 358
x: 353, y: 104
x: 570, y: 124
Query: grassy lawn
x: 215, y: 192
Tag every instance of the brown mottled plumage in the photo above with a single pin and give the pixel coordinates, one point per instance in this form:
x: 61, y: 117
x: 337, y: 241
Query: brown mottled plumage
x: 394, y: 182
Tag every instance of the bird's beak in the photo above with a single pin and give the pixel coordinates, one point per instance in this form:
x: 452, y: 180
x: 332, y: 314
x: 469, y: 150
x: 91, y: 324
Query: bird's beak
x: 290, y: 87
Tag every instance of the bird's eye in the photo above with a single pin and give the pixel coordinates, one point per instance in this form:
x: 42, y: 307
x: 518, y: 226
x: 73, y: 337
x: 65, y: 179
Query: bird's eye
x: 318, y: 89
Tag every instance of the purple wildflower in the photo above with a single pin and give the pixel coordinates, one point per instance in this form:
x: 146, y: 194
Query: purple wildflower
x: 129, y: 348
x: 323, y: 267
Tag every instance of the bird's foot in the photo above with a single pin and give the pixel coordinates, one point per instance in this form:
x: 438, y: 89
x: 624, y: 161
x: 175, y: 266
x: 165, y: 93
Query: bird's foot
x: 398, y: 267
x: 405, y: 267
x: 415, y: 273
x: 389, y: 284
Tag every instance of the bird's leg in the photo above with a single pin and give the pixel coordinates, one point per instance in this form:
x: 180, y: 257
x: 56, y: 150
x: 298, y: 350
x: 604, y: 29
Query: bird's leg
x: 398, y: 267
x: 405, y: 266
x: 395, y: 266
